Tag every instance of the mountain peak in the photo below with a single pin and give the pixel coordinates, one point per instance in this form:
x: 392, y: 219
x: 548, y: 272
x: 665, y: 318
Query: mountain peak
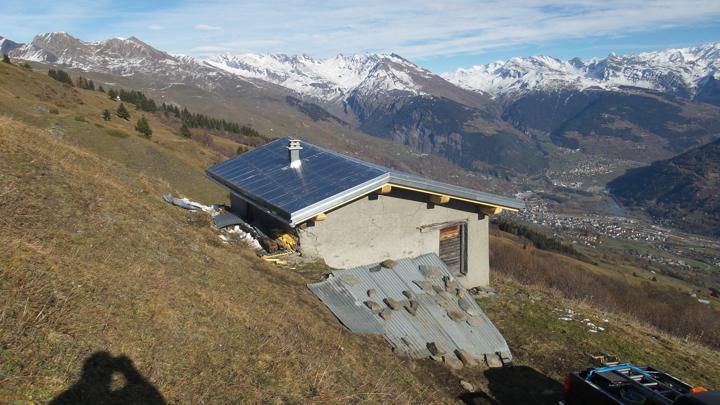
x: 678, y: 71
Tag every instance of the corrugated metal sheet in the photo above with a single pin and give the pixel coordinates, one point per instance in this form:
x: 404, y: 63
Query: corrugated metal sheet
x: 227, y: 219
x: 346, y: 291
x: 325, y: 179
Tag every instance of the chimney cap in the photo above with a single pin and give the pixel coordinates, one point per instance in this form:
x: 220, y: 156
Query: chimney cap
x: 294, y: 144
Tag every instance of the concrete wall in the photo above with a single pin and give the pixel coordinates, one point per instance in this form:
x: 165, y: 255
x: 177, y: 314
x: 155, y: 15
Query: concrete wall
x: 391, y: 227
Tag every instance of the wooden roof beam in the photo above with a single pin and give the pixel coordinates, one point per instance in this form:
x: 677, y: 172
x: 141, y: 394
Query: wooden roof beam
x: 385, y: 189
x: 489, y: 210
x: 439, y: 199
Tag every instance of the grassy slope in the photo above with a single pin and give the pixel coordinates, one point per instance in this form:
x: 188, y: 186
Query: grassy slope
x: 92, y: 260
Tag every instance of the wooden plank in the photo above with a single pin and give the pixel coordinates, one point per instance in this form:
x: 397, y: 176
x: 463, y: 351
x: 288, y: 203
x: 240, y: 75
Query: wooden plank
x: 450, y: 232
x: 439, y: 199
x: 488, y: 210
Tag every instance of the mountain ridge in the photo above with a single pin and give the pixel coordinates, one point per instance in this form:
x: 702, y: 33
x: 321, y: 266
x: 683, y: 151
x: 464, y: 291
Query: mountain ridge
x: 679, y: 71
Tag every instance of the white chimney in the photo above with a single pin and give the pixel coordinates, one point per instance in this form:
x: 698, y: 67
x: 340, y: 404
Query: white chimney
x: 294, y: 149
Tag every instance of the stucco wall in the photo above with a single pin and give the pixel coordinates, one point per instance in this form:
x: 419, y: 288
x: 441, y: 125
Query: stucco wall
x: 389, y: 227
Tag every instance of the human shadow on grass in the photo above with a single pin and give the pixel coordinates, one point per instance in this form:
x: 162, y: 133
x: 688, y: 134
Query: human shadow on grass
x: 96, y: 384
x: 516, y: 385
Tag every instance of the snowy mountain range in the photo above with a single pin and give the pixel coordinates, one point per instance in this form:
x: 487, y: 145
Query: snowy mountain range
x: 325, y: 79
x: 679, y: 71
x: 494, y: 118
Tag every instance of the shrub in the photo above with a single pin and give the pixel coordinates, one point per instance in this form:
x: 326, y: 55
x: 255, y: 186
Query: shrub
x: 80, y: 118
x: 122, y: 112
x: 143, y: 127
x: 53, y: 110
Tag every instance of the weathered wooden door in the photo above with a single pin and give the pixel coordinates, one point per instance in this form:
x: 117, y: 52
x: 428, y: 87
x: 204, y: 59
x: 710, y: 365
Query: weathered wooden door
x: 453, y: 248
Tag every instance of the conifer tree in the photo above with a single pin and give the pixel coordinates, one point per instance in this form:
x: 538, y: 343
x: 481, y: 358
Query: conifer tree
x: 106, y: 115
x: 185, y: 131
x: 6, y: 59
x: 91, y: 85
x: 100, y: 89
x: 112, y: 94
x: 122, y: 112
x: 143, y: 127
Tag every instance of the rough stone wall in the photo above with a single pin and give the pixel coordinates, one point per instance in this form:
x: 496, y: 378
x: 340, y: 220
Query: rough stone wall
x: 391, y: 227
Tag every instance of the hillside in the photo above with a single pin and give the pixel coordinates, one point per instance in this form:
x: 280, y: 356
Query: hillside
x: 683, y: 190
x: 95, y: 261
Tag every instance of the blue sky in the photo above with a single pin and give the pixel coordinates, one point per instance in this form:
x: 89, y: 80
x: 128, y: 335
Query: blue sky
x: 439, y: 36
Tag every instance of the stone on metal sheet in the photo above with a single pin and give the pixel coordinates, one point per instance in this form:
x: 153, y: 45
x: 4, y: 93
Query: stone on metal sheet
x: 388, y: 263
x: 406, y: 333
x: 429, y: 271
x: 465, y: 357
x: 408, y: 294
x: 452, y: 361
x: 437, y: 289
x: 493, y: 361
x: 374, y: 306
x: 372, y: 293
x: 475, y: 321
x: 450, y: 284
x: 411, y: 307
x: 463, y: 304
x: 460, y: 292
x: 439, y: 359
x: 456, y: 315
x: 434, y: 349
x: 393, y: 303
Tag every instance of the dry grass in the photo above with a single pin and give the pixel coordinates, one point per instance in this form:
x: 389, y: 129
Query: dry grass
x: 666, y: 308
x: 92, y: 259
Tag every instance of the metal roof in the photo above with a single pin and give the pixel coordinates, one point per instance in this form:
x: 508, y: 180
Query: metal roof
x: 324, y: 180
x: 345, y: 293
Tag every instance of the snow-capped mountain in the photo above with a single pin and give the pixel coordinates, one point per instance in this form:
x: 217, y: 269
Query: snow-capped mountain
x: 328, y: 79
x: 7, y: 45
x: 118, y: 56
x: 680, y: 71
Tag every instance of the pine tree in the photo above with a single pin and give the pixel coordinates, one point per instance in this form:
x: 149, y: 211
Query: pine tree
x: 100, y: 89
x: 6, y: 59
x: 185, y: 131
x: 122, y: 112
x: 106, y: 115
x: 143, y: 127
x: 112, y: 94
x: 27, y: 66
x: 91, y: 85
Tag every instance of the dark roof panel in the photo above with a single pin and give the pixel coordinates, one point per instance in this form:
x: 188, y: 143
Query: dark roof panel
x: 324, y: 180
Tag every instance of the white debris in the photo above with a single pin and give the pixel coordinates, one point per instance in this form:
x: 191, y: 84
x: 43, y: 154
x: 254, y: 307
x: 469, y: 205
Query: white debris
x: 600, y: 328
x: 706, y: 302
x: 188, y: 204
x: 564, y: 318
x: 245, y: 237
x: 592, y: 330
x: 605, y: 320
